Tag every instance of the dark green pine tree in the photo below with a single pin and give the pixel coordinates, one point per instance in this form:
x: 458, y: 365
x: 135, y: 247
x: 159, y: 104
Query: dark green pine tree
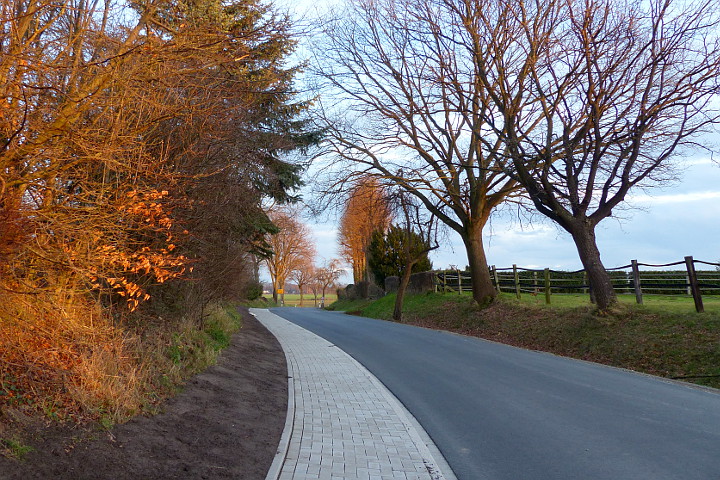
x: 241, y: 125
x: 239, y: 50
x: 387, y: 253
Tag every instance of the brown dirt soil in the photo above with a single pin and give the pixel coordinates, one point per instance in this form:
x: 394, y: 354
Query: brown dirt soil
x: 226, y: 423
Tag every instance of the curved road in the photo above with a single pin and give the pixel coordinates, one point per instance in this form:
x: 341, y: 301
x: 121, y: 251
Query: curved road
x: 499, y: 412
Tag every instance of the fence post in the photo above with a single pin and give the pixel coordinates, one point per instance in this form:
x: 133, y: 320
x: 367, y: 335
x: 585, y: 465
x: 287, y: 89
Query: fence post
x: 636, y: 282
x: 535, y: 284
x: 444, y: 280
x: 547, y: 286
x: 694, y: 286
x: 517, y: 281
x: 436, y: 280
x: 494, y: 275
x: 459, y: 282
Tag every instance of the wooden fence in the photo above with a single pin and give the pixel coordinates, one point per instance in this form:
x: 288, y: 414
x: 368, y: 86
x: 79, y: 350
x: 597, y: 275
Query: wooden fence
x: 635, y: 279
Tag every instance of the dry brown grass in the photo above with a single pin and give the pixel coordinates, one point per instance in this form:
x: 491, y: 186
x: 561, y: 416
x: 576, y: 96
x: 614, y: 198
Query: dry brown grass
x: 62, y: 358
x: 58, y: 353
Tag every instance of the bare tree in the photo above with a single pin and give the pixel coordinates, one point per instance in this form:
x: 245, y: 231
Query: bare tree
x: 315, y: 288
x: 291, y: 247
x: 326, y: 277
x: 303, y: 275
x: 366, y: 210
x: 404, y: 102
x: 594, y: 98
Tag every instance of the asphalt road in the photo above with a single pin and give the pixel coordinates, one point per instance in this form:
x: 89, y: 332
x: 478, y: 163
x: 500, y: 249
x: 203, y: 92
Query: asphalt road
x: 499, y: 412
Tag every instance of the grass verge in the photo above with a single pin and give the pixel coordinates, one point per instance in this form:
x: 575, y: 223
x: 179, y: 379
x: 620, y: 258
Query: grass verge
x: 130, y: 372
x: 664, y: 337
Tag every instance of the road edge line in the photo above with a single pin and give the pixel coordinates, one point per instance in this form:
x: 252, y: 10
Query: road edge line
x: 284, y: 444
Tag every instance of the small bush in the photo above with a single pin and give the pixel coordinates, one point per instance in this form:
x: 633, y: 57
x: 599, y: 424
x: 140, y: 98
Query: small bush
x: 253, y: 291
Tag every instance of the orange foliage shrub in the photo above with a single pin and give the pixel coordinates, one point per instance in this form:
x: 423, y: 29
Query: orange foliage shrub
x: 124, y: 268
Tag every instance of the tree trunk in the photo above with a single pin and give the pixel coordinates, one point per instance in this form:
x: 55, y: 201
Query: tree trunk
x: 358, y: 262
x: 400, y: 297
x: 600, y: 285
x: 483, y: 290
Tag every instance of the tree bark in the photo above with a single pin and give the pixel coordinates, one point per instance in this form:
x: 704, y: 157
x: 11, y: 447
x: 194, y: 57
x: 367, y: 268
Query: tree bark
x: 583, y: 234
x: 483, y: 290
x: 400, y: 297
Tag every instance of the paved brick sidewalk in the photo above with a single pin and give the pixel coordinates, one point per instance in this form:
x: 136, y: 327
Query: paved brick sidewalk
x: 342, y: 422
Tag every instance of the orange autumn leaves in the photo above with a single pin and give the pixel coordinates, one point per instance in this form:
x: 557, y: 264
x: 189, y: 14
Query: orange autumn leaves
x: 125, y: 268
x: 134, y: 247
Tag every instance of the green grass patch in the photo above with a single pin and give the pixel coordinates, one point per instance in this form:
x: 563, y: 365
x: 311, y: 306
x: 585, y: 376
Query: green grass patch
x: 308, y: 300
x: 679, y: 304
x: 291, y: 300
x: 351, y: 306
x: 15, y: 448
x: 193, y: 349
x: 664, y: 337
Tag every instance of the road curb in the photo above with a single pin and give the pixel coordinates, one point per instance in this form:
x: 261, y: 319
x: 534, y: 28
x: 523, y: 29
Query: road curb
x: 427, y: 457
x: 284, y: 445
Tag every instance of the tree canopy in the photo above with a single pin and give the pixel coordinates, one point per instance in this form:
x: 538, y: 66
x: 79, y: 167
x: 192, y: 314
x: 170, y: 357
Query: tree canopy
x: 366, y: 210
x: 137, y: 145
x: 388, y: 253
x: 592, y: 99
x: 402, y: 101
x: 573, y: 103
x: 292, y: 248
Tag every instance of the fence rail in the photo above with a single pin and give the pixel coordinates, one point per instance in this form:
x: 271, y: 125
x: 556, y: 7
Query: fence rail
x: 634, y: 278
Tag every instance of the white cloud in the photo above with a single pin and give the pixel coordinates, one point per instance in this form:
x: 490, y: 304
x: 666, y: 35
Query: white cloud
x: 676, y: 198
x: 667, y: 227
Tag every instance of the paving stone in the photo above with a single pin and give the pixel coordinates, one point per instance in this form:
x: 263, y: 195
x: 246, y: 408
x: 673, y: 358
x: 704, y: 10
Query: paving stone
x: 346, y: 423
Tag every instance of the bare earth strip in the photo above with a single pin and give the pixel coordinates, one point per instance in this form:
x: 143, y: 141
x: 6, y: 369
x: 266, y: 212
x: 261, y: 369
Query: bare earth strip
x: 226, y: 423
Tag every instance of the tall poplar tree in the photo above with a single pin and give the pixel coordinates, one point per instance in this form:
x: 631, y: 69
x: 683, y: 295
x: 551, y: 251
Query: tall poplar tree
x: 366, y: 211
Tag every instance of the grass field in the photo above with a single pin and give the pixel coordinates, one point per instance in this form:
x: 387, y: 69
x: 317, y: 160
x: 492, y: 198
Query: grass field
x: 293, y: 300
x: 664, y: 337
x: 661, y: 303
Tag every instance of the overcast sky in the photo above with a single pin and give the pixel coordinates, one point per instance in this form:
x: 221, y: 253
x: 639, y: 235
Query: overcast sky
x: 664, y: 226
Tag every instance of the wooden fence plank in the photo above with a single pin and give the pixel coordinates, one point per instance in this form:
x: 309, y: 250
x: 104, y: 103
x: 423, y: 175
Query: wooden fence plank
x: 690, y: 264
x: 636, y: 282
x: 547, y: 286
